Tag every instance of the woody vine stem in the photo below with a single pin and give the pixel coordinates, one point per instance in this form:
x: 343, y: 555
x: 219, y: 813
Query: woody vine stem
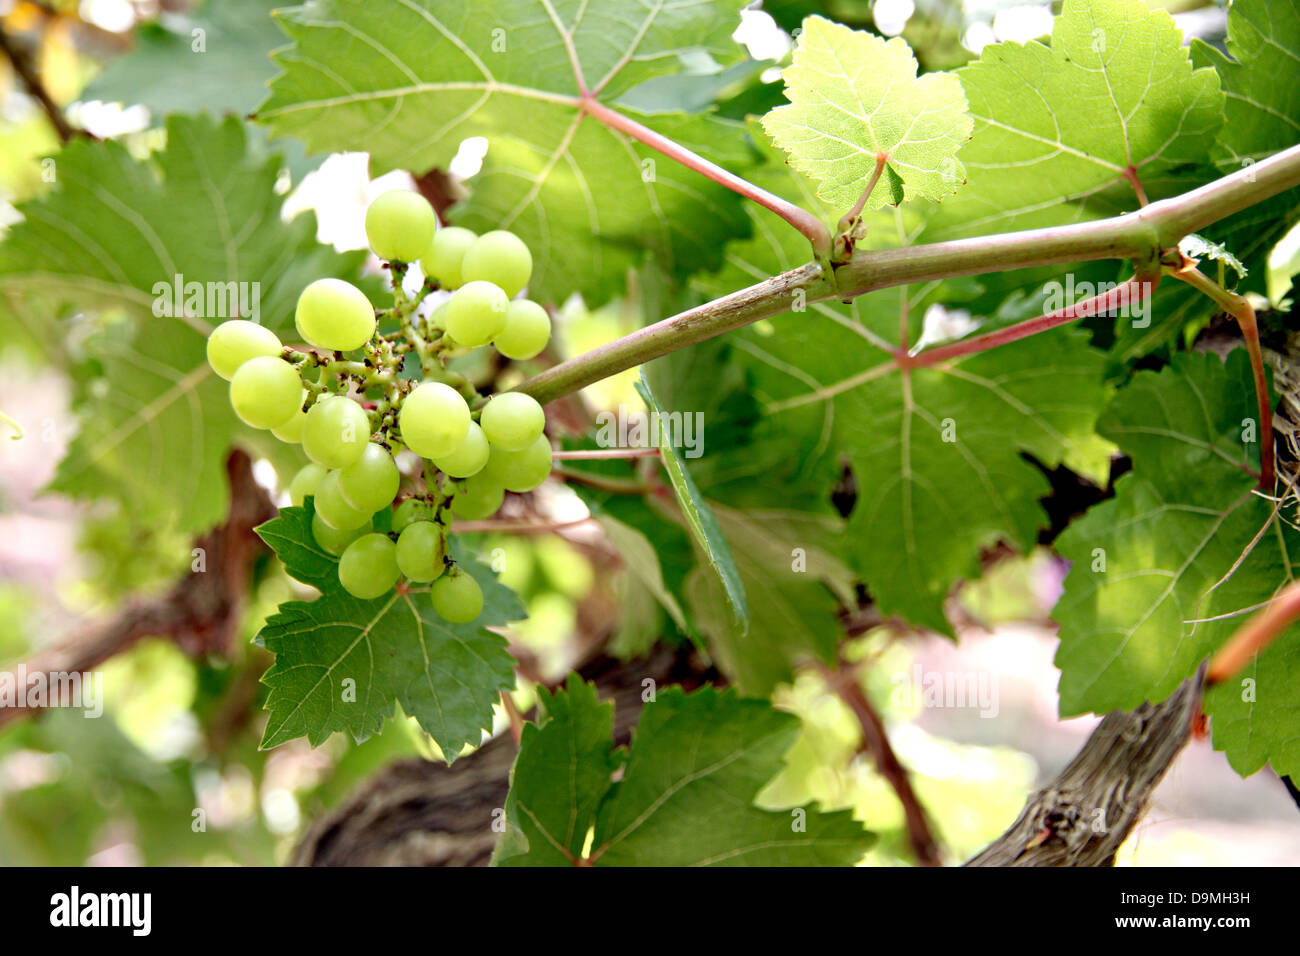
x: 1148, y: 237
x: 1141, y: 236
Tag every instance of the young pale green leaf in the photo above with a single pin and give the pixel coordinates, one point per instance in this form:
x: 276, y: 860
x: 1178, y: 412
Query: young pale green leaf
x: 1166, y: 570
x: 1059, y: 129
x: 686, y: 797
x: 855, y: 100
x: 937, y: 452
x: 409, y: 80
x: 342, y: 663
x: 699, y: 516
x: 113, y: 239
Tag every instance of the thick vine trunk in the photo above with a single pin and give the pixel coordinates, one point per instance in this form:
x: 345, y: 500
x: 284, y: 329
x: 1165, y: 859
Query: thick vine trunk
x: 419, y: 813
x: 1082, y: 817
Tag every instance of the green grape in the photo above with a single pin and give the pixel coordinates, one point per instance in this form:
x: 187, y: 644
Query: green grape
x: 370, y: 482
x: 335, y: 432
x: 233, y: 343
x: 334, y: 509
x: 469, y: 458
x: 434, y: 420
x: 501, y: 258
x: 442, y: 259
x: 305, y: 482
x: 512, y: 421
x: 291, y: 431
x: 420, y: 549
x: 266, y: 391
x: 368, y: 567
x: 332, y: 539
x: 528, y: 329
x: 457, y: 596
x: 438, y: 317
x: 520, y: 471
x: 412, y: 509
x: 335, y: 315
x: 475, y: 313
x: 400, y: 225
x: 478, y: 496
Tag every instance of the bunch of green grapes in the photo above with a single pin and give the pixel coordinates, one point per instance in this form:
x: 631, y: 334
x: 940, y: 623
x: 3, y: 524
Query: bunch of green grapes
x: 351, y: 414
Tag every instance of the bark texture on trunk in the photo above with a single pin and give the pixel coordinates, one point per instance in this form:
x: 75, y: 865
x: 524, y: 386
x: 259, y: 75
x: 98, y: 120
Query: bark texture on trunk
x: 1082, y: 817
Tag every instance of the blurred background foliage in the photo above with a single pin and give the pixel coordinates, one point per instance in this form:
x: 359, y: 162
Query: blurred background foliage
x: 172, y: 774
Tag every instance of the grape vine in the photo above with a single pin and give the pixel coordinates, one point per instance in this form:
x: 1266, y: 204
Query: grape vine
x: 913, y: 294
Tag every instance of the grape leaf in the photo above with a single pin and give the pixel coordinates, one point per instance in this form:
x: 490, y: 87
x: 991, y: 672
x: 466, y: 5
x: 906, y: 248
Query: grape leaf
x: 795, y: 585
x: 408, y: 81
x: 686, y: 795
x: 1163, y: 572
x: 642, y: 562
x: 155, y: 421
x: 855, y: 98
x: 1263, y: 116
x: 937, y: 452
x: 394, y: 650
x: 222, y: 53
x: 699, y: 516
x: 563, y: 771
x: 1057, y: 128
x: 1255, y: 714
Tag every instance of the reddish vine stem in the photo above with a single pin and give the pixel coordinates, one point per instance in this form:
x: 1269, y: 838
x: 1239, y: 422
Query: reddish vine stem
x: 843, y: 681
x: 597, y: 454
x: 1132, y: 176
x: 1134, y: 290
x: 1255, y: 635
x: 517, y: 527
x: 809, y: 225
x: 1138, y: 235
x: 849, y: 217
x: 1240, y: 309
x: 516, y: 719
x: 36, y: 89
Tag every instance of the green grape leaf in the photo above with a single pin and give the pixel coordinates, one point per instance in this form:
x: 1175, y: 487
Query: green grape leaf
x: 1166, y: 570
x: 563, y: 771
x: 409, y: 80
x: 937, y: 452
x: 795, y: 584
x: 155, y: 422
x: 1263, y: 116
x: 642, y: 562
x: 1255, y: 714
x: 341, y: 663
x: 1262, y: 107
x: 220, y: 58
x: 1057, y: 129
x: 855, y: 99
x: 686, y: 796
x: 697, y: 513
